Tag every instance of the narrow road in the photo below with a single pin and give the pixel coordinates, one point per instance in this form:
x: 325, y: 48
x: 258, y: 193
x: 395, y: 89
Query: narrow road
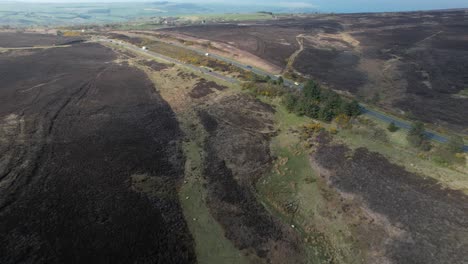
x: 367, y: 111
x: 170, y: 60
x: 404, y: 125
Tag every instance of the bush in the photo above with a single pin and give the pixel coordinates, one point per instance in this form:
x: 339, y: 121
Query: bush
x: 392, y: 127
x: 451, y: 152
x: 312, y: 91
x: 343, y: 121
x: 417, y: 138
x: 353, y: 108
x: 290, y: 101
x: 311, y: 110
x: 248, y: 85
x: 311, y: 129
x: 444, y: 156
x: 455, y: 144
x: 326, y: 113
x: 300, y: 107
x: 280, y: 81
x: 71, y: 34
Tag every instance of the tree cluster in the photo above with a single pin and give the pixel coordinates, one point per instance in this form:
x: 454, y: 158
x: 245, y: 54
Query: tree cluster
x: 316, y: 102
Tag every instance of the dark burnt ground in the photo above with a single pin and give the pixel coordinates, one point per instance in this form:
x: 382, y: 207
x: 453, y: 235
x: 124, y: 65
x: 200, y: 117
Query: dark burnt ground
x: 155, y: 66
x: 75, y: 127
x: 127, y: 54
x: 237, y: 154
x: 432, y: 50
x: 344, y: 73
x: 13, y: 40
x: 274, y: 41
x: 187, y: 76
x: 413, y: 61
x: 132, y: 40
x: 204, y: 88
x: 257, y: 39
x: 434, y: 220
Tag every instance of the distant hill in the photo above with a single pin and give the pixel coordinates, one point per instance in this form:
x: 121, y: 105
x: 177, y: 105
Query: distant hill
x: 51, y: 14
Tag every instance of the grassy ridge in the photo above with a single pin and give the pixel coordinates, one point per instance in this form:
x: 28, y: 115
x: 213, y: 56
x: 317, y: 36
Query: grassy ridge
x: 294, y: 191
x: 211, y: 246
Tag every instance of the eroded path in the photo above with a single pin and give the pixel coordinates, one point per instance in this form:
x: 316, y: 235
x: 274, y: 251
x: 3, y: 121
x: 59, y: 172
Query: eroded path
x: 82, y: 141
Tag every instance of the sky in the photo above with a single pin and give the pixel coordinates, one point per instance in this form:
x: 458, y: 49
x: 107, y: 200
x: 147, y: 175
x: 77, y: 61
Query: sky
x: 320, y: 5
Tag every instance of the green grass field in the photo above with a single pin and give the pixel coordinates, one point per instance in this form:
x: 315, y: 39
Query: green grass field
x: 211, y: 245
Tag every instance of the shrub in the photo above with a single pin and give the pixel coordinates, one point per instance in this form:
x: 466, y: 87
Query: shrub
x: 392, y: 127
x: 300, y: 107
x: 309, y: 130
x: 417, y: 138
x: 343, y: 121
x: 248, y: 85
x: 353, y: 108
x: 443, y: 156
x: 280, y: 80
x: 290, y: 101
x: 267, y: 90
x: 326, y: 113
x: 71, y: 34
x: 310, y: 109
x: 455, y: 144
x: 311, y: 90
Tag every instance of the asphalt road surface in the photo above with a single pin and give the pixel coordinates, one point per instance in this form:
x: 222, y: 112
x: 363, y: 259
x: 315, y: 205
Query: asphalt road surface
x: 169, y: 59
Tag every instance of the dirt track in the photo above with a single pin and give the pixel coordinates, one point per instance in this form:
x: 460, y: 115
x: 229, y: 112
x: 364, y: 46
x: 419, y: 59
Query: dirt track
x: 80, y: 138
